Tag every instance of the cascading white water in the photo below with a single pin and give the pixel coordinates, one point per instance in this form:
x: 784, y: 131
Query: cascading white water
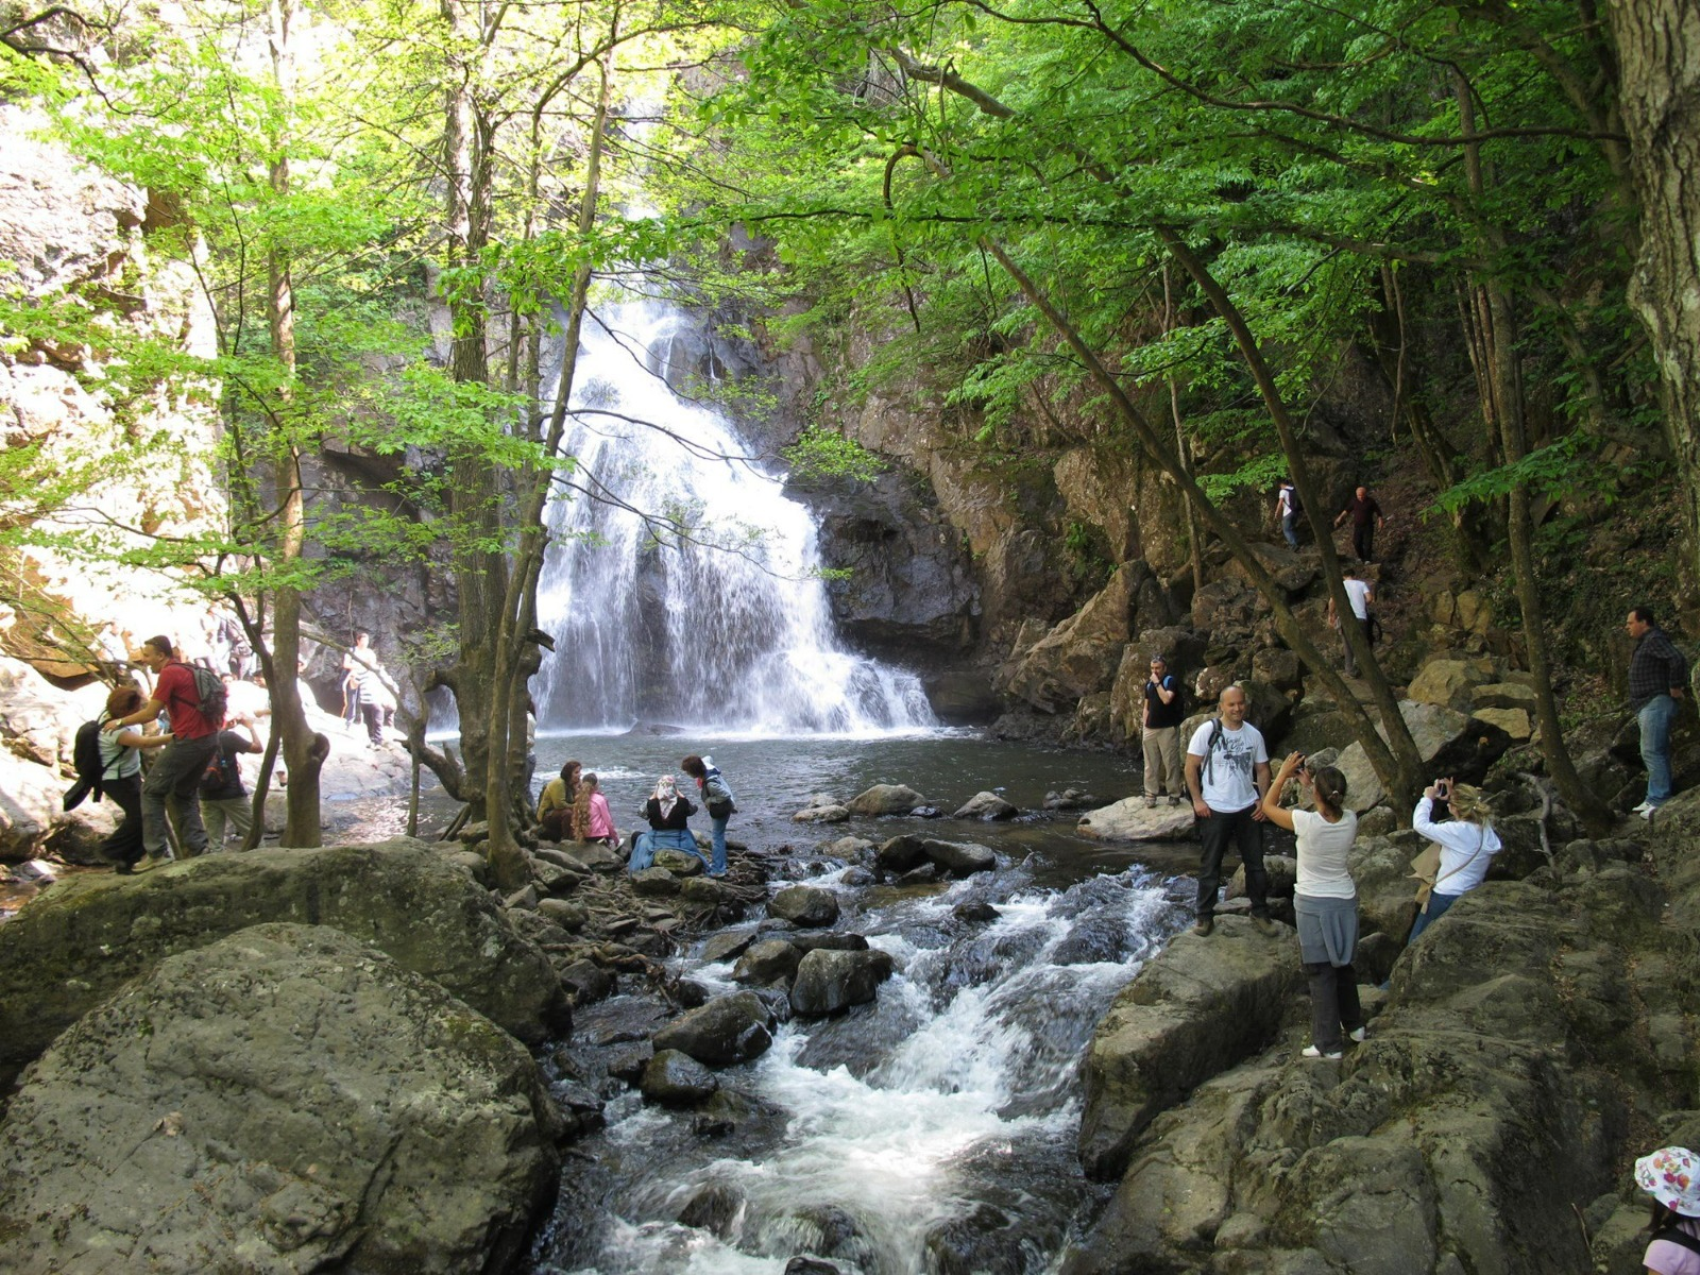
x: 737, y: 638
x: 944, y: 1118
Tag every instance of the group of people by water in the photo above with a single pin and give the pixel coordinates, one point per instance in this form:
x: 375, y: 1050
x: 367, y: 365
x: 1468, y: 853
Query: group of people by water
x: 572, y: 807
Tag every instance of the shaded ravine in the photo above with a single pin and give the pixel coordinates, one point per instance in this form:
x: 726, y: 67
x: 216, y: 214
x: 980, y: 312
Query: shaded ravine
x: 933, y: 1131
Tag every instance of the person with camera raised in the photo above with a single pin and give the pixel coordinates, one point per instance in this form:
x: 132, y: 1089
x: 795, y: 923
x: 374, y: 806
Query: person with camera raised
x: 1467, y: 842
x: 1325, y: 901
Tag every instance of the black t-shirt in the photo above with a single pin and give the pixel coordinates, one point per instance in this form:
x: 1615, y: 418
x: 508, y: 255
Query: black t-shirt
x: 230, y: 746
x: 1162, y: 715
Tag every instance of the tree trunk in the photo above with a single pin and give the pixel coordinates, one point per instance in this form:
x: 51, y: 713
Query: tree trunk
x: 1658, y: 54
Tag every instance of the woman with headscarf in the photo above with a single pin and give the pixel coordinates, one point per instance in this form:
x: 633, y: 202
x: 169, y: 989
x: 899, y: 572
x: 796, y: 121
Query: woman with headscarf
x: 667, y: 813
x: 1325, y: 901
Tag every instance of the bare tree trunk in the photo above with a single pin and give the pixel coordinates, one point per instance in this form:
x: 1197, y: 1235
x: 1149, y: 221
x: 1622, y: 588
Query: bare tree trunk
x: 1194, y: 532
x: 1658, y: 55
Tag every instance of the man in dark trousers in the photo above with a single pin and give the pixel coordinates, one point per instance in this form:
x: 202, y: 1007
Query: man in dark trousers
x: 1366, y: 521
x: 176, y: 776
x: 1658, y: 672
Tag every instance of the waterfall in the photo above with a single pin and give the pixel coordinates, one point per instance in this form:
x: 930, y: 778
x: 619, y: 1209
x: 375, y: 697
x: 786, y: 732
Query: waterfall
x: 733, y: 634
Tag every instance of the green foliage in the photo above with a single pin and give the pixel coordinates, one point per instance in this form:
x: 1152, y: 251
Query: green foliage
x: 820, y: 453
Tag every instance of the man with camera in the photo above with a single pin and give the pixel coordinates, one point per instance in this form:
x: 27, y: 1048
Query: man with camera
x: 1657, y: 675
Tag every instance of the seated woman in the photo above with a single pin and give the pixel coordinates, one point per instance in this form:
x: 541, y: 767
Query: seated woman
x: 1325, y: 901
x: 592, y: 820
x: 555, y: 806
x: 667, y: 812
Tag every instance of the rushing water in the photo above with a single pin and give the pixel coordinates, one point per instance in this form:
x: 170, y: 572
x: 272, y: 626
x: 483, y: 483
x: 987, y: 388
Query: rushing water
x: 932, y: 1131
x: 731, y: 626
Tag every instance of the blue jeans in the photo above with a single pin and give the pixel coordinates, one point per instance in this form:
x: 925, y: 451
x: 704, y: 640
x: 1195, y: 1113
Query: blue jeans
x: 1654, y: 720
x: 717, y: 830
x: 1289, y: 531
x: 1437, y: 905
x: 646, y: 844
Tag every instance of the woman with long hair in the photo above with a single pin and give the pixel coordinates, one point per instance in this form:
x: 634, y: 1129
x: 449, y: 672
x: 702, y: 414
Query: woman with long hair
x: 1467, y: 842
x: 1325, y: 901
x: 592, y: 820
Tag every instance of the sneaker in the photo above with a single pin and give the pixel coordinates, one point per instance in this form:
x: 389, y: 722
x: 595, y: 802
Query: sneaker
x: 1311, y: 1051
x: 155, y: 860
x: 1204, y: 926
x: 1151, y: 803
x: 1642, y: 809
x: 1264, y: 924
x: 1359, y: 1034
x: 1648, y: 813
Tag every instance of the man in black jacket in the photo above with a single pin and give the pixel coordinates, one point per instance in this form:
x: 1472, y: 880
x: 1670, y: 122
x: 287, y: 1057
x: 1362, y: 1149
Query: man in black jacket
x: 1658, y: 673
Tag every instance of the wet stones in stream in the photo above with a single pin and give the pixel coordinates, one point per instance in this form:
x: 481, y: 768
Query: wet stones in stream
x: 804, y: 905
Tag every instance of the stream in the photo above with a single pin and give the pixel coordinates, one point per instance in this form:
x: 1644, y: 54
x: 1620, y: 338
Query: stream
x: 931, y: 1131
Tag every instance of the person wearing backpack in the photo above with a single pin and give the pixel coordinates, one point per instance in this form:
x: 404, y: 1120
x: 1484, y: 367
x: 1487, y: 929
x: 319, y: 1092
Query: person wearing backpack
x: 224, y: 799
x: 121, y: 777
x: 1671, y: 1175
x: 717, y: 799
x: 195, y: 706
x: 1227, y: 773
x: 1160, y: 733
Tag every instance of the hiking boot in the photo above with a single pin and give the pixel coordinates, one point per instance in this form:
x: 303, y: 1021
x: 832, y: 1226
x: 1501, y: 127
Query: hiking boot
x: 1264, y: 924
x: 1204, y: 926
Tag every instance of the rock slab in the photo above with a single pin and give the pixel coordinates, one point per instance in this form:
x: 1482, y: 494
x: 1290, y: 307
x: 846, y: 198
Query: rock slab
x: 77, y: 944
x: 286, y: 1099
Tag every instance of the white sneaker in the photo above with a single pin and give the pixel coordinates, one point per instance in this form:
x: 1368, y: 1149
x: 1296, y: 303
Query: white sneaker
x: 1647, y: 812
x: 1359, y: 1034
x: 1642, y: 809
x: 1311, y: 1051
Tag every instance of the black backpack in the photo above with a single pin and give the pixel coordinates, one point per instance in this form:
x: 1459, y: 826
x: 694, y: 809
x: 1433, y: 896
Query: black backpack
x: 212, y: 696
x: 85, y: 760
x: 220, y: 774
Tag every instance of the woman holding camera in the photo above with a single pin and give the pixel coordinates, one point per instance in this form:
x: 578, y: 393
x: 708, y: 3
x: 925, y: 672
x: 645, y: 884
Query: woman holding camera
x: 1325, y: 901
x: 1467, y: 842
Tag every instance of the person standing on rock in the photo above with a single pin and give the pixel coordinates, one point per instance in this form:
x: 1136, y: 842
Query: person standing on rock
x: 1287, y: 513
x: 1671, y: 1175
x: 1467, y: 842
x: 1160, y: 734
x: 356, y: 668
x: 225, y: 799
x: 176, y: 776
x: 1325, y: 901
x: 1658, y: 672
x: 1360, y: 594
x: 717, y: 799
x: 121, y: 777
x: 1366, y: 519
x: 555, y: 806
x: 1227, y: 773
x: 667, y: 813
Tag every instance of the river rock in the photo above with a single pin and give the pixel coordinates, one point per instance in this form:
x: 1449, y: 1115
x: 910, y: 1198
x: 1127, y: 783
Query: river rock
x: 726, y: 946
x: 676, y: 1079
x: 260, y: 1103
x: 74, y: 946
x: 1130, y: 819
x: 830, y: 813
x: 832, y: 941
x: 706, y: 891
x: 1283, y: 872
x: 857, y: 876
x: 901, y: 853
x: 1070, y: 799
x: 978, y: 912
x: 849, y: 848
x: 964, y: 858
x: 678, y: 862
x: 774, y: 961
x: 804, y: 905
x: 587, y: 982
x: 986, y: 805
x: 571, y: 917
x: 886, y: 799
x: 655, y: 883
x: 729, y: 1029
x: 828, y: 981
x: 1196, y: 1009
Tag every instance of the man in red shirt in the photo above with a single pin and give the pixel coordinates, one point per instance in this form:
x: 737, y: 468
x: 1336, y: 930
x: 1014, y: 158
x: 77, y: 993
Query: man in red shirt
x: 176, y: 776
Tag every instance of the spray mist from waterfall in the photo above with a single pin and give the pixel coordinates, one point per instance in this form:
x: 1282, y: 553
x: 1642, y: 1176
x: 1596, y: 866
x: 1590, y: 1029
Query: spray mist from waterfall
x: 728, y: 629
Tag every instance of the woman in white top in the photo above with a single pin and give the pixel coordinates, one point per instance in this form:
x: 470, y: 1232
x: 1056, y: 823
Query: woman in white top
x: 1467, y: 842
x: 1325, y: 901
x: 121, y: 777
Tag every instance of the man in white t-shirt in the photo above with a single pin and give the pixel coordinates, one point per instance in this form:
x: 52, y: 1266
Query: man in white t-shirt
x: 1360, y: 594
x: 1227, y: 773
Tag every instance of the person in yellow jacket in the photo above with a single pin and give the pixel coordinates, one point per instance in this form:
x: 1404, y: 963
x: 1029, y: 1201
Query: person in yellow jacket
x: 555, y: 806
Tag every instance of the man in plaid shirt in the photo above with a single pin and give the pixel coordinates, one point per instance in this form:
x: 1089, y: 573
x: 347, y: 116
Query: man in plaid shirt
x: 1658, y: 673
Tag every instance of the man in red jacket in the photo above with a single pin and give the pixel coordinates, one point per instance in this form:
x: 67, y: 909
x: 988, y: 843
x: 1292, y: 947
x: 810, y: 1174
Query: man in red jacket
x: 176, y: 776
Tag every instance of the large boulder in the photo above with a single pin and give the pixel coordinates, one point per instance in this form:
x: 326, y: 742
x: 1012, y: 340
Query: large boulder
x: 901, y: 853
x: 676, y: 1079
x: 886, y: 799
x: 1081, y: 655
x: 1450, y: 682
x: 1131, y: 820
x: 1201, y: 1006
x: 805, y: 905
x: 81, y: 940
x: 284, y: 1099
x: 986, y: 805
x: 770, y: 961
x: 829, y: 981
x: 1448, y: 742
x: 727, y: 1030
x: 963, y: 858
